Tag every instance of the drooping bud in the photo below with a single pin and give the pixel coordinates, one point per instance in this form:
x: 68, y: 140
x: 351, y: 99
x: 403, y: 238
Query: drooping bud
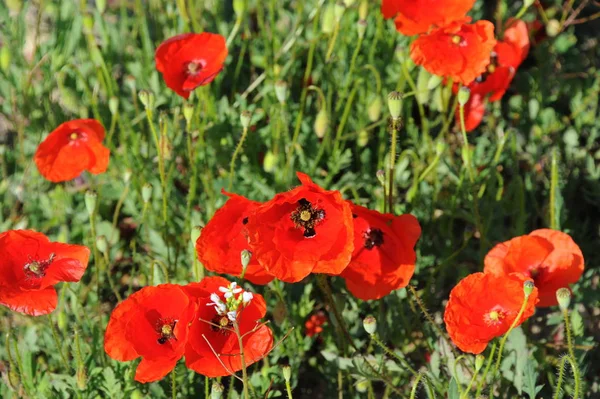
x: 270, y: 162
x: 563, y: 295
x: 339, y: 8
x: 147, y: 98
x: 370, y: 325
x: 102, y: 244
x: 216, y: 391
x: 245, y: 118
x: 479, y: 359
x: 328, y: 19
x: 395, y: 104
x: 245, y: 257
x: 101, y: 6
x: 281, y: 91
x: 374, y: 109
x: 363, y: 9
x: 321, y: 123
x: 239, y: 6
x: 90, y: 202
x: 287, y: 373
x: 113, y: 105
x: 464, y: 93
x: 528, y: 287
x: 381, y: 176
x: 188, y: 112
x: 361, y: 28
x: 146, y: 192
x: 553, y: 28
x: 434, y: 82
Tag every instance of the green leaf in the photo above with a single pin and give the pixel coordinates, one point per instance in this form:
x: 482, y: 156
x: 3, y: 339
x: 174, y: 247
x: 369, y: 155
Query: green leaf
x: 453, y: 392
x: 577, y: 323
x: 531, y: 376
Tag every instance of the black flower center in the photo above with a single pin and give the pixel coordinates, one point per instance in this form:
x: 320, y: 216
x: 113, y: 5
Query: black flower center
x: 373, y: 238
x: 491, y: 68
x: 307, y: 217
x: 166, y: 330
x: 37, y: 268
x: 221, y: 324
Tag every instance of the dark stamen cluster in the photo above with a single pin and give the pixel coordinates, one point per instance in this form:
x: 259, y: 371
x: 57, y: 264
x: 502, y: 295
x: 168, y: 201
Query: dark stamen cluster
x: 491, y: 68
x: 373, y: 238
x: 166, y: 329
x: 36, y: 268
x: 307, y: 217
x: 221, y: 324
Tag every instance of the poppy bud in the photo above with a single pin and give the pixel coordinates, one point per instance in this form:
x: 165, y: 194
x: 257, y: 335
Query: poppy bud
x: 216, y: 391
x: 61, y: 321
x: 14, y: 5
x: 395, y: 104
x: 381, y: 176
x: 127, y: 175
x: 4, y: 58
x: 528, y: 287
x: 281, y: 91
x: 528, y: 3
x: 440, y: 147
x: 113, y: 105
x: 195, y: 234
x: 239, y: 7
x: 328, y: 20
x: 137, y: 394
x: 370, y: 325
x: 245, y: 257
x: 339, y: 11
x: 101, y: 6
x: 363, y: 138
x: 374, y: 109
x: 147, y: 98
x: 361, y: 28
x: 102, y: 244
x: 434, y: 82
x: 563, y: 295
x: 245, y: 118
x: 146, y: 192
x: 464, y: 93
x: 287, y: 373
x: 363, y: 9
x: 553, y: 28
x: 90, y: 202
x: 321, y: 123
x: 362, y: 386
x: 423, y: 92
x: 479, y: 359
x: 270, y: 162
x: 349, y: 3
x: 88, y: 22
x: 188, y: 112
x: 81, y: 377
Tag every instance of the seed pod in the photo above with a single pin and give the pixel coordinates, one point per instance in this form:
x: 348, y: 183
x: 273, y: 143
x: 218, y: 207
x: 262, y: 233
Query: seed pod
x: 370, y: 325
x: 563, y: 295
x: 90, y: 202
x: 395, y: 104
x: 287, y: 373
x: 464, y: 93
x: 361, y: 28
x: 339, y: 8
x: 113, y: 105
x: 270, y: 162
x: 188, y: 112
x: 216, y: 391
x: 553, y: 28
x: 245, y: 118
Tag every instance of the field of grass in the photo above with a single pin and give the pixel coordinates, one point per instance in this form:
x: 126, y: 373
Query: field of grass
x: 304, y: 88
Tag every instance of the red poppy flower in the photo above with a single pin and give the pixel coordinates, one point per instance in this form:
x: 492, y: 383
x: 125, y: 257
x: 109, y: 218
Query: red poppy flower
x: 474, y: 111
x: 213, y: 348
x: 550, y: 258
x: 72, y: 148
x: 384, y: 256
x: 31, y: 265
x: 460, y: 51
x: 190, y: 60
x: 314, y: 325
x: 483, y: 306
x: 417, y: 16
x: 224, y: 237
x: 305, y: 230
x: 153, y: 323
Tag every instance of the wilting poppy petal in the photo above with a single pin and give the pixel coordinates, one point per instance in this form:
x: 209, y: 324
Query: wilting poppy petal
x: 190, y: 60
x: 305, y: 230
x: 460, y: 51
x: 72, y: 148
x: 483, y: 306
x: 384, y: 256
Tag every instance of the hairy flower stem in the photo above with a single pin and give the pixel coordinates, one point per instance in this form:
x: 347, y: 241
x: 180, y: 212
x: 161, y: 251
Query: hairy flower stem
x: 174, y: 383
x: 161, y: 163
x: 561, y: 375
x: 574, y: 365
x: 393, y: 354
x: 58, y: 344
x: 466, y: 393
x: 236, y: 328
x: 485, y: 372
x: 392, y: 165
x: 288, y: 389
x: 235, y: 155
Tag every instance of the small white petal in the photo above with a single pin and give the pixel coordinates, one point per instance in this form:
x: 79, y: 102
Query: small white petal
x: 223, y: 289
x: 228, y: 295
x: 247, y: 297
x: 237, y: 290
x: 232, y: 315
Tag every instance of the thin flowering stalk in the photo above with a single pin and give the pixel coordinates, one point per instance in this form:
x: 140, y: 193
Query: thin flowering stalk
x: 573, y: 359
x: 413, y: 87
x: 238, y: 148
x: 486, y: 370
x: 161, y: 162
x: 561, y: 374
x: 392, y: 164
x: 174, y: 383
x: 58, y: 343
x: 553, y: 191
x: 425, y: 383
x: 236, y: 327
x: 393, y: 354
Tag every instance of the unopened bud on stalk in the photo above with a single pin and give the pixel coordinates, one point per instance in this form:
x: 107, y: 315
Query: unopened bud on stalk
x: 14, y: 6
x: 370, y: 325
x: 188, y: 112
x: 88, y: 22
x: 270, y: 162
x: 147, y: 99
x: 62, y: 321
x: 362, y: 386
x: 5, y: 57
x: 101, y: 6
x: 464, y: 93
x: 90, y: 202
x: 321, y: 123
x: 328, y: 19
x: 339, y: 11
x: 239, y: 6
x: 440, y: 146
x: 479, y: 359
x: 374, y: 109
x: 395, y: 104
x: 381, y: 176
x: 422, y: 92
x: 146, y: 192
x: 127, y: 175
x: 528, y: 3
x: 287, y: 373
x: 245, y: 257
x: 245, y: 118
x: 363, y: 9
x: 528, y: 287
x: 281, y: 91
x: 216, y: 391
x: 361, y: 28
x: 363, y: 138
x: 102, y: 244
x: 563, y: 295
x: 434, y: 82
x: 349, y: 3
x: 113, y: 105
x: 553, y: 28
x: 137, y: 394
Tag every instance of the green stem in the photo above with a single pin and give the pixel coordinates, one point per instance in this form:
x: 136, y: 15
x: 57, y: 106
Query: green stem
x: 574, y: 364
x: 234, y: 31
x: 390, y: 352
x: 58, y: 344
x: 236, y: 327
x: 553, y: 191
x: 238, y: 148
x: 288, y: 388
x: 466, y: 393
x: 332, y: 42
x: 413, y: 87
x: 392, y: 165
x: 161, y: 164
x: 561, y: 373
x: 485, y: 372
x: 174, y: 383
x: 342, y: 96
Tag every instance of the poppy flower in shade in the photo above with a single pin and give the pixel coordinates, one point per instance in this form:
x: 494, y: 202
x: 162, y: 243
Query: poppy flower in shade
x: 550, y: 258
x: 384, y: 256
x: 213, y: 348
x: 314, y: 325
x: 474, y: 110
x: 153, y: 323
x: 460, y: 50
x: 224, y: 237
x: 302, y: 231
x: 190, y: 60
x: 31, y: 265
x: 72, y: 148
x: 414, y: 17
x: 483, y: 306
